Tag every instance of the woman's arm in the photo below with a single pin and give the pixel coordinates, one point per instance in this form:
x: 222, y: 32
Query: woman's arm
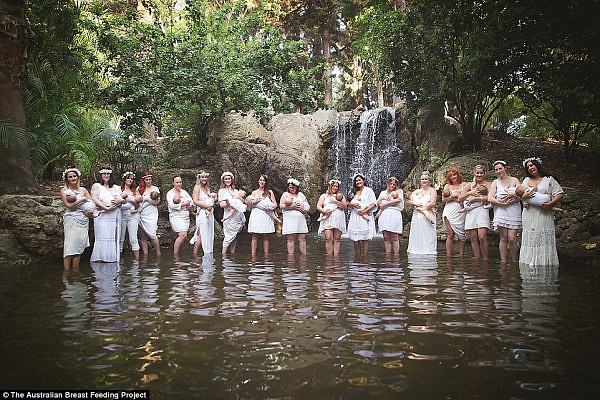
x: 282, y: 202
x: 491, y: 198
x: 320, y: 204
x: 465, y: 193
x: 433, y: 201
x: 70, y: 206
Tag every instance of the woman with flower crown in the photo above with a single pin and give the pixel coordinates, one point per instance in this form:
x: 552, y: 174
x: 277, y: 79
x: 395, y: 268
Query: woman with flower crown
x: 477, y: 218
x: 107, y: 226
x: 294, y: 207
x: 361, y: 225
x: 331, y: 205
x: 538, y: 244
x: 75, y: 220
x: 507, y: 210
x: 204, y: 200
x: 149, y: 213
x: 391, y: 204
x: 236, y: 219
x: 261, y: 222
x: 130, y: 218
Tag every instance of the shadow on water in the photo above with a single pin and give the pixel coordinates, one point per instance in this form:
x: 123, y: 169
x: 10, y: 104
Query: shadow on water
x: 304, y: 326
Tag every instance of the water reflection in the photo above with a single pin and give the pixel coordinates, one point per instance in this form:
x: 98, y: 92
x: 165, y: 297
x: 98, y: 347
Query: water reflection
x: 295, y: 326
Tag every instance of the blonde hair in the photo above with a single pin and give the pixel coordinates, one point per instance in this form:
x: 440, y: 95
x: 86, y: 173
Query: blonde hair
x: 390, y: 180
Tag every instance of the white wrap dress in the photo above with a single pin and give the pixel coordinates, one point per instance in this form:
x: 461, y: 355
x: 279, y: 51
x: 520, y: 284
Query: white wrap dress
x: 423, y: 235
x: 149, y: 216
x: 391, y: 217
x: 294, y: 221
x: 107, y: 228
x: 360, y: 228
x: 76, y: 230
x: 260, y: 220
x: 336, y: 220
x: 205, y: 226
x: 233, y: 225
x: 455, y: 218
x: 179, y: 217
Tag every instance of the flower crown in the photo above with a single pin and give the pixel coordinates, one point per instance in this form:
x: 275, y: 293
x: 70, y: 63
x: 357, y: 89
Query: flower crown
x: 500, y: 162
x: 105, y: 171
x: 227, y: 173
x: 356, y: 175
x: 525, y: 161
x: 331, y: 182
x: 294, y: 182
x: 66, y: 171
x: 126, y: 174
x: 202, y: 174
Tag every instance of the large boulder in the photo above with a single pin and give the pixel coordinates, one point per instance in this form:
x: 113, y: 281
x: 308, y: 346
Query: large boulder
x: 31, y: 228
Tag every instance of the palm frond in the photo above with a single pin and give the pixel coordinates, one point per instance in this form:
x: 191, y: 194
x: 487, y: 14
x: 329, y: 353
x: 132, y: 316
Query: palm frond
x: 12, y: 136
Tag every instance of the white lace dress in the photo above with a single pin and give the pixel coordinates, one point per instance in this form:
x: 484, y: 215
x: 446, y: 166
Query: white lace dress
x: 538, y: 244
x: 360, y: 228
x: 391, y: 217
x: 107, y: 228
x: 336, y: 220
x: 506, y: 216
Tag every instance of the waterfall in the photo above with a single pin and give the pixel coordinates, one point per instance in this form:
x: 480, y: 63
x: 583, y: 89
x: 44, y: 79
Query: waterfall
x: 373, y: 150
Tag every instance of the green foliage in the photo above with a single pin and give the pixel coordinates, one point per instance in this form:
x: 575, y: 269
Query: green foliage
x: 12, y: 136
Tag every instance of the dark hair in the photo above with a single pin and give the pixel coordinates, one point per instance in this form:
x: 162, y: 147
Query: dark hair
x: 354, y: 187
x: 541, y: 170
x: 267, y: 188
x: 99, y: 180
x: 133, y: 189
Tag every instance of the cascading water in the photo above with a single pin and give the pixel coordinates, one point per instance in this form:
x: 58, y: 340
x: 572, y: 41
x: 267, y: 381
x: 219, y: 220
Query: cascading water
x: 375, y: 151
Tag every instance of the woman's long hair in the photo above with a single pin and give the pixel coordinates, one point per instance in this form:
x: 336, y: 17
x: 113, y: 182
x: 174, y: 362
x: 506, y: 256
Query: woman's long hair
x: 133, y: 189
x: 142, y: 185
x: 541, y: 170
x: 451, y: 172
x: 99, y: 180
x: 267, y: 187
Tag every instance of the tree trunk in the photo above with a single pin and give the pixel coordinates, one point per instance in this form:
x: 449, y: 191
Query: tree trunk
x: 380, y: 97
x: 16, y: 174
x: 328, y: 69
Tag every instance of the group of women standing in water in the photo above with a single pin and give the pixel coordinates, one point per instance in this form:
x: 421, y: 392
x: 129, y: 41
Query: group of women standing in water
x: 118, y: 211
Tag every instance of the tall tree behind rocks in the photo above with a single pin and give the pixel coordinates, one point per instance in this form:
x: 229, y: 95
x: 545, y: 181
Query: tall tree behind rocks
x: 16, y: 174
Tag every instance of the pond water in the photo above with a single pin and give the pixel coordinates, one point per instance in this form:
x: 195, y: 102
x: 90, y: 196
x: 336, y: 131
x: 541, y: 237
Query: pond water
x: 304, y: 327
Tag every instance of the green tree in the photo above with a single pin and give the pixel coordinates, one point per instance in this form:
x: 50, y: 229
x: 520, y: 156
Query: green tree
x: 16, y: 173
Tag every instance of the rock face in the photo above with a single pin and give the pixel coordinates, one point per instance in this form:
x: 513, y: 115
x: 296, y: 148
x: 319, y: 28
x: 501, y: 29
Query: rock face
x: 31, y: 228
x: 292, y: 148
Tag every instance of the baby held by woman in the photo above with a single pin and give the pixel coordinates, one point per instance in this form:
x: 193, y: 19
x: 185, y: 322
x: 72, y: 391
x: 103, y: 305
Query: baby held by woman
x: 87, y: 206
x: 538, y: 199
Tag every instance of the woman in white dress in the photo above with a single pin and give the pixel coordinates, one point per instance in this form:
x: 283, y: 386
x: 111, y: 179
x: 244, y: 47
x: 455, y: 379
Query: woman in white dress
x: 130, y: 218
x: 262, y: 202
x: 538, y: 245
x: 477, y: 220
x: 361, y: 226
x: 75, y: 221
x: 107, y: 226
x: 148, y: 213
x: 294, y: 207
x: 452, y: 217
x: 391, y: 204
x: 423, y: 234
x: 204, y: 200
x: 507, y: 210
x: 331, y: 205
x: 233, y: 224
x: 180, y: 203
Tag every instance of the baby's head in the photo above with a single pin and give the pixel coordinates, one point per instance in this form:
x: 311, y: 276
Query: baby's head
x: 213, y: 196
x: 339, y: 197
x: 242, y: 193
x: 72, y: 198
x: 250, y: 199
x: 446, y: 193
x: 177, y: 199
x: 154, y: 195
x: 482, y: 190
x: 394, y: 194
x: 124, y: 195
x: 520, y: 190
